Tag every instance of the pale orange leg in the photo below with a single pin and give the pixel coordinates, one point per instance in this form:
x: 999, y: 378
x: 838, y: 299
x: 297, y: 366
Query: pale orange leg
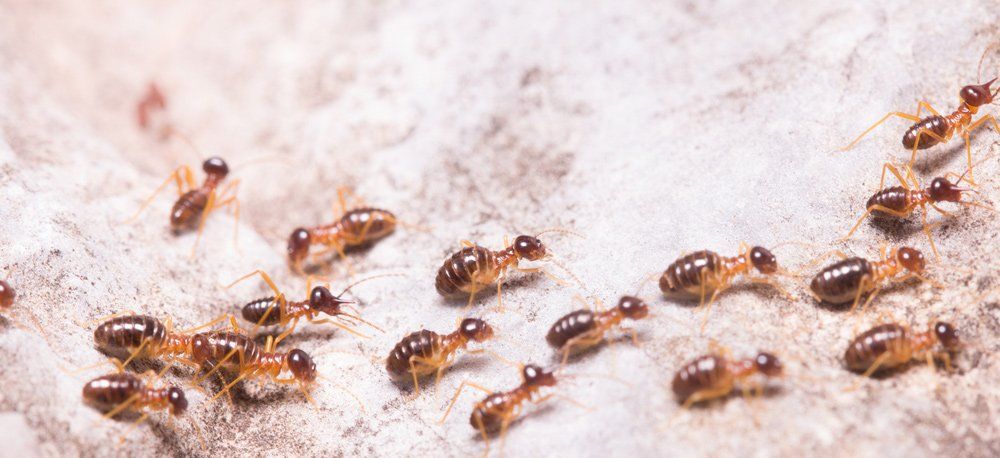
x: 900, y: 114
x: 174, y: 176
x: 889, y: 211
x: 201, y: 224
x: 458, y: 392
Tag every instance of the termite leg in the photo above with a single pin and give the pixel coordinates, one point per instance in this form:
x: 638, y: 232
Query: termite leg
x: 201, y: 224
x: 176, y: 177
x: 704, y: 395
x: 906, y: 116
x: 916, y: 142
x: 968, y: 145
x: 869, y: 210
x: 458, y: 392
x: 892, y: 168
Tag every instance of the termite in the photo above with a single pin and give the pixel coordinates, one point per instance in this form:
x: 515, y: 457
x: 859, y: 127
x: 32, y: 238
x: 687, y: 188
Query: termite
x: 150, y: 112
x: 702, y: 272
x: 424, y: 352
x: 143, y: 336
x: 473, y: 268
x: 7, y: 295
x: 195, y: 203
x: 278, y: 310
x: 902, y: 201
x: 121, y: 392
x: 852, y: 277
x: 714, y: 376
x: 352, y: 228
x: 496, y: 412
x: 889, y: 346
x: 585, y: 328
x: 932, y: 130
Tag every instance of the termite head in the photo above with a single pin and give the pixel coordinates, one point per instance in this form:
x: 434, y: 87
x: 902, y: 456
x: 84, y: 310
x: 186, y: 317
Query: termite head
x: 978, y: 94
x: 6, y: 295
x: 475, y: 329
x: 298, y: 245
x: 763, y: 260
x: 302, y: 366
x: 947, y: 335
x: 528, y: 247
x: 942, y: 190
x: 178, y: 403
x: 911, y: 259
x: 536, y: 376
x: 215, y: 166
x: 633, y: 307
x: 768, y: 364
x: 322, y: 300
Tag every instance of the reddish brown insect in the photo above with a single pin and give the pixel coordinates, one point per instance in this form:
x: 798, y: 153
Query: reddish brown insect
x: 714, y: 376
x: 499, y: 409
x: 352, y: 228
x: 585, y: 328
x: 473, y: 268
x: 889, y: 346
x: 932, y: 130
x: 116, y: 393
x: 144, y: 337
x: 852, y: 277
x: 7, y: 295
x: 902, y: 201
x: 195, y: 203
x: 150, y: 112
x: 702, y: 272
x: 234, y: 351
x: 424, y: 352
x: 121, y: 392
x: 278, y: 310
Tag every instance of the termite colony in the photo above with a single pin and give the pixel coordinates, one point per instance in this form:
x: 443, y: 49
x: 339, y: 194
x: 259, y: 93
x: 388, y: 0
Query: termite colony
x: 232, y: 354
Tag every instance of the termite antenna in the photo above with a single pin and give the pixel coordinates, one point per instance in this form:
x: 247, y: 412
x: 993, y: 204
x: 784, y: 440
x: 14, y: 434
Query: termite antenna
x: 979, y: 67
x: 562, y: 231
x: 579, y: 282
x: 343, y: 388
x: 366, y: 279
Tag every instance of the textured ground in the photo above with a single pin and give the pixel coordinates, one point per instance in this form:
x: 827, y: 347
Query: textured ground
x: 653, y: 128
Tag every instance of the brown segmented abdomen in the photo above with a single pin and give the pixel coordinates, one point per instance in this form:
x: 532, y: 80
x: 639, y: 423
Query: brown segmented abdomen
x: 839, y: 283
x: 685, y: 274
x: 425, y: 344
x: 466, y: 271
x: 109, y: 391
x: 256, y: 310
x: 570, y: 326
x: 187, y: 209
x: 868, y: 346
x: 489, y: 413
x: 129, y: 332
x: 705, y: 372
x: 364, y: 225
x: 895, y: 198
x: 936, y: 124
x: 211, y: 348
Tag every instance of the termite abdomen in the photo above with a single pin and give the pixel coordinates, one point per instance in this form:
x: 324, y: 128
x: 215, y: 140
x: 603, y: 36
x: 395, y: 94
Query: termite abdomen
x: 840, y: 282
x: 421, y: 344
x: 570, y: 326
x: 894, y: 198
x: 872, y: 344
x: 263, y: 312
x: 702, y: 373
x: 129, y: 331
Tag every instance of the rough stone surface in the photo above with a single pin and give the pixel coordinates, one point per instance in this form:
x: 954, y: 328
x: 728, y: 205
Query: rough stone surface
x: 653, y: 128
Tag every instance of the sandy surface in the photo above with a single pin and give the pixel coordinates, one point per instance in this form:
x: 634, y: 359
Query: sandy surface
x: 652, y: 128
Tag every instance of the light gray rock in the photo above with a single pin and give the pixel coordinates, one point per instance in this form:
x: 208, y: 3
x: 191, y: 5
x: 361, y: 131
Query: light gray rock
x: 653, y: 128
